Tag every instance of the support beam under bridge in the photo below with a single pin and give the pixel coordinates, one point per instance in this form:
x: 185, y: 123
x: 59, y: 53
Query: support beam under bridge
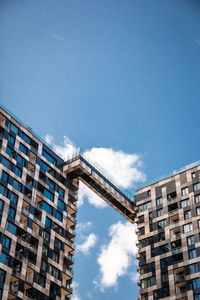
x: 79, y: 167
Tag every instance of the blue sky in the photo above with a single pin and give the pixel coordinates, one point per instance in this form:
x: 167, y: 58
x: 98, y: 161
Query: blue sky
x: 120, y: 75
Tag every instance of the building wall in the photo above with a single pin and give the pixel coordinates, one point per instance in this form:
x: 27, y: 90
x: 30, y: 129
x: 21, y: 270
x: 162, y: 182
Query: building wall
x: 168, y: 222
x: 38, y: 217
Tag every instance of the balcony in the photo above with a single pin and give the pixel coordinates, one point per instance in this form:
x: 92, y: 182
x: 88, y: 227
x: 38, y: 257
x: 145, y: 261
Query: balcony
x: 69, y: 273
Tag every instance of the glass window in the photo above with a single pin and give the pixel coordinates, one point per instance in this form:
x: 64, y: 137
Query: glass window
x: 160, y: 212
x: 190, y: 240
x: 193, y: 175
x: 184, y: 191
x: 159, y: 201
x: 48, y: 195
x: 4, y: 176
x: 44, y: 265
x: 13, y: 197
x: 58, y: 243
x: 162, y: 223
x: 45, y: 235
x: 45, y: 250
x: 192, y: 253
x: 17, y: 185
x: 1, y: 204
x: 5, y: 259
x: 13, y: 128
x: 144, y: 206
x: 21, y: 160
x: 7, y: 163
x: 3, y: 190
x: 59, y: 216
x: 197, y: 297
x: 198, y: 222
x: 187, y: 214
x: 48, y: 222
x: 2, y: 276
x: 196, y: 186
x: 194, y: 268
x: 11, y: 228
x: 55, y: 257
x: 61, y: 193
x: 6, y: 242
x: 60, y: 204
x: 198, y: 211
x: 11, y: 212
x: 188, y: 227
x: 185, y: 203
x: 54, y: 271
x: 197, y: 198
x: 47, y: 207
x: 11, y: 139
x: 18, y: 171
x: 49, y: 157
x: 196, y: 283
x: 10, y: 152
x: 23, y: 148
x: 25, y: 137
x: 51, y: 184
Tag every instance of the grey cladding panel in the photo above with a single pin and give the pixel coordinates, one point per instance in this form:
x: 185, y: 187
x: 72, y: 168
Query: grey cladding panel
x: 183, y: 178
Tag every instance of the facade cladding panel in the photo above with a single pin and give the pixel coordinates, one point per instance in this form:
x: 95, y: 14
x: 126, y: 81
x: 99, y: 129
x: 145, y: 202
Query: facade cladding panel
x: 38, y: 197
x: 168, y: 229
x: 38, y: 217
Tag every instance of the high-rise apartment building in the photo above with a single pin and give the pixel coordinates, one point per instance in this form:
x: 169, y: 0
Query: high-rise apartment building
x: 38, y: 197
x: 168, y: 231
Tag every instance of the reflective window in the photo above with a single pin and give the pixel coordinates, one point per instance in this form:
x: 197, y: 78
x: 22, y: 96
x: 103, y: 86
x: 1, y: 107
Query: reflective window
x: 23, y: 148
x: 185, y: 203
x: 47, y: 207
x: 192, y: 253
x: 190, y: 240
x: 184, y: 191
x: 11, y: 228
x: 13, y: 128
x: 188, y: 227
x: 196, y: 186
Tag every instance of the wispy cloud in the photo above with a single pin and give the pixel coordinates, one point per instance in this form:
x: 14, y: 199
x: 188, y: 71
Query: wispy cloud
x: 57, y: 36
x: 117, y: 256
x: 75, y: 295
x: 89, y: 243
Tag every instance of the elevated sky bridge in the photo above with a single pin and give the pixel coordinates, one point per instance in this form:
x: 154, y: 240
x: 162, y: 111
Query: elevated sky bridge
x: 80, y: 168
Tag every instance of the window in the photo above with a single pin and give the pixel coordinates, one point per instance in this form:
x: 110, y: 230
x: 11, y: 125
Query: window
x: 148, y: 282
x: 54, y: 271
x: 4, y: 176
x: 6, y: 242
x: 60, y: 204
x: 159, y: 201
x: 198, y: 222
x: 187, y: 214
x: 188, y: 227
x: 48, y: 195
x: 21, y: 160
x: 196, y: 186
x: 160, y: 212
x: 196, y: 283
x: 198, y: 211
x: 197, y: 198
x: 194, y: 268
x: 197, y: 297
x: 58, y: 216
x: 17, y: 185
x: 58, y: 243
x: 44, y: 166
x: 47, y: 207
x: 193, y: 175
x: 6, y: 163
x: 190, y: 240
x: 2, y: 276
x: 45, y: 250
x: 144, y: 296
x: 5, y: 259
x: 1, y: 204
x: 49, y: 157
x: 13, y: 128
x: 48, y: 222
x: 61, y: 193
x: 51, y: 184
x: 162, y: 223
x: 55, y: 257
x: 185, y: 203
x: 23, y: 148
x: 44, y: 265
x: 11, y: 139
x: 11, y: 228
x: 3, y: 190
x: 25, y: 138
x: 184, y: 191
x: 149, y: 193
x: 144, y: 206
x: 18, y: 171
x: 39, y: 279
x: 13, y: 198
x: 10, y: 152
x: 45, y: 235
x: 192, y: 253
x: 11, y: 212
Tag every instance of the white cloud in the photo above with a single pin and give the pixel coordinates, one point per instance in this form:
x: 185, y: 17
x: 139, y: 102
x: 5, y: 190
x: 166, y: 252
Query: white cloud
x: 75, y: 295
x: 82, y: 226
x: 117, y: 256
x: 88, y: 244
x: 123, y: 167
x: 57, y: 36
